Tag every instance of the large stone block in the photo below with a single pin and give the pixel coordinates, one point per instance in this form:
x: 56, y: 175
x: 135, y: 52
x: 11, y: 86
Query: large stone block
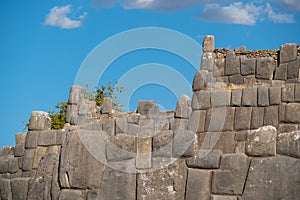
x: 265, y: 68
x: 143, y: 158
x: 19, y: 150
x: 108, y: 125
x: 19, y: 188
x: 20, y: 138
x: 293, y: 69
x: 32, y: 139
x: 4, y: 161
x: 219, y: 70
x: 121, y: 147
x: 76, y: 94
x: 147, y: 107
x: 282, y: 112
x: 200, y: 81
x: 281, y: 72
x: 183, y: 143
x: 208, y: 62
x: 197, y: 121
x: 232, y: 63
x: 183, y: 107
x: 288, y: 52
x: 162, y: 144
x: 236, y: 97
x: 287, y: 128
x: 208, y: 44
x: 67, y: 194
x: 39, y: 153
x: 219, y: 197
x: 288, y: 93
x: 205, y: 159
x: 293, y: 113
x: 107, y: 105
x: 249, y: 97
x: 289, y: 144
x: 297, y: 92
x: 72, y: 110
x: 198, y: 184
x: 275, y: 95
x: 247, y: 65
x: 47, y: 138
x: 257, y: 119
x: 236, y: 79
x: 242, y: 118
x: 171, y: 183
x: 273, y: 178
x: 263, y: 96
x: 262, y: 142
x: 219, y: 119
x: 271, y: 116
x: 28, y: 159
x: 220, y: 98
x: 231, y: 179
x: 5, y: 189
x: 201, y: 100
x: 39, y: 120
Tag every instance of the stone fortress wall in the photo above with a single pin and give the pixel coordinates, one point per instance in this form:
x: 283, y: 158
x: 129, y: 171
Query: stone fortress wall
x: 237, y: 138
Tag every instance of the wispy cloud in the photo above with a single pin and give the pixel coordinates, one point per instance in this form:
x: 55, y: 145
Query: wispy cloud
x: 236, y: 13
x: 278, y: 17
x: 58, y: 17
x: 290, y: 4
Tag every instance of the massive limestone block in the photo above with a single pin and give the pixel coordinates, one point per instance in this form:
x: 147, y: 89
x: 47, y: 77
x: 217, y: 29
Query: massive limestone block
x: 67, y: 194
x: 293, y: 69
x: 249, y: 97
x: 288, y: 52
x: 236, y: 79
x: 28, y: 159
x: 20, y: 138
x: 19, y: 188
x: 271, y: 116
x: 257, y: 119
x: 80, y: 168
x: 263, y: 96
x: 262, y: 142
x: 39, y: 120
x: 297, y: 92
x: 236, y: 97
x: 198, y: 184
x: 208, y: 44
x: 147, y: 107
x: 183, y: 143
x: 201, y: 100
x: 76, y: 94
x: 162, y: 144
x: 164, y: 183
x: 288, y: 93
x: 107, y: 105
x: 273, y: 178
x: 32, y: 139
x: 44, y: 185
x: 232, y: 63
x: 205, y: 159
x: 265, y: 68
x: 219, y: 119
x: 289, y: 144
x: 220, y: 98
x: 143, y: 149
x: 5, y: 189
x: 275, y: 95
x: 8, y: 164
x: 281, y: 72
x: 197, y: 121
x: 183, y: 107
x: 200, y: 81
x: 208, y: 62
x: 233, y: 174
x: 247, y: 65
x: 242, y: 118
x: 293, y: 113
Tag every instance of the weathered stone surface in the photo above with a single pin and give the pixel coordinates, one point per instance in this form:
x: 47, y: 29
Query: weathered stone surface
x: 39, y: 153
x: 236, y: 97
x: 11, y: 162
x: 289, y: 144
x: 162, y: 143
x: 19, y: 150
x: 170, y: 185
x: 223, y: 141
x: 7, y: 150
x: 109, y: 126
x: 39, y: 120
x: 183, y: 143
x: 247, y: 65
x: 240, y: 147
x: 28, y: 159
x: 275, y: 95
x: 183, y: 107
x: 40, y: 185
x: 107, y: 105
x: 208, y: 44
x: 231, y: 178
x: 201, y: 100
x: 293, y: 69
x: 76, y: 94
x: 281, y: 72
x: 208, y: 62
x: 121, y: 147
x: 242, y: 118
x: 288, y: 52
x: 271, y: 116
x: 143, y: 157
x: 147, y: 107
x: 47, y: 138
x: 5, y: 189
x: 219, y: 70
x: 4, y: 161
x: 257, y: 119
x: 19, y: 188
x: 76, y: 159
x: 133, y: 129
x: 72, y: 110
x: 293, y: 113
x: 198, y: 184
x: 286, y: 128
x: 288, y: 93
x: 218, y: 197
x: 67, y: 194
x: 262, y: 142
x: 241, y: 136
x: 273, y: 178
x: 32, y: 139
x: 220, y: 98
x: 20, y: 138
x: 219, y: 119
x: 282, y: 111
x: 205, y: 159
x: 249, y: 97
x: 200, y: 81
x: 297, y: 92
x: 232, y: 63
x: 265, y: 68
x: 236, y: 79
x: 197, y: 121
x: 263, y: 96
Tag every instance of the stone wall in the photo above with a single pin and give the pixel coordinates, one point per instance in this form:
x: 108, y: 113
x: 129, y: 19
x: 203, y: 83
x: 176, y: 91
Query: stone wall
x: 237, y: 138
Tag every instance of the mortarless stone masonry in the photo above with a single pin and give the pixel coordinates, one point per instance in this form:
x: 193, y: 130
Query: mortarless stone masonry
x: 221, y: 144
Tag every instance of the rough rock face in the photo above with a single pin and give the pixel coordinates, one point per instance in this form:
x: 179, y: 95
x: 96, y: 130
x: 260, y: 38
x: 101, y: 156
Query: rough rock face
x: 238, y: 138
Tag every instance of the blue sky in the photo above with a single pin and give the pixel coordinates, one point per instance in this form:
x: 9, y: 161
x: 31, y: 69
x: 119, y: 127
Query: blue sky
x: 43, y: 43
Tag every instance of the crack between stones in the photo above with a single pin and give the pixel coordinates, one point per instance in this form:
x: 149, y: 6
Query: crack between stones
x: 247, y: 176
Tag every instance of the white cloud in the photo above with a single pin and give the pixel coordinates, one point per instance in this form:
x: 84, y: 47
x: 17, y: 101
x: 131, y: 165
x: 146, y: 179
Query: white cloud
x: 290, y: 4
x: 235, y: 13
x: 58, y: 17
x: 278, y: 17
